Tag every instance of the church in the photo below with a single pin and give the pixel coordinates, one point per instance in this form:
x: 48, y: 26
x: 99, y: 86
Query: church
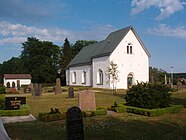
x: 123, y: 47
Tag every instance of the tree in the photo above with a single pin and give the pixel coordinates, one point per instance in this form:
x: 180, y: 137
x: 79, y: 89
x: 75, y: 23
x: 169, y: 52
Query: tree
x: 41, y: 58
x: 65, y: 58
x: 14, y: 66
x: 80, y: 44
x: 112, y: 73
x: 157, y: 75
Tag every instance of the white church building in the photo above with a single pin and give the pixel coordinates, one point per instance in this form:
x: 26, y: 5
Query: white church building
x: 124, y: 47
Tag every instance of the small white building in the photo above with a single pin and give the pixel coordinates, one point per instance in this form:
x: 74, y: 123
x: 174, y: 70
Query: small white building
x: 15, y: 80
x: 124, y: 47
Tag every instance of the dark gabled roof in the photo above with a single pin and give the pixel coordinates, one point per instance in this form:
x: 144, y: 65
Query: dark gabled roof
x: 17, y: 76
x: 103, y: 48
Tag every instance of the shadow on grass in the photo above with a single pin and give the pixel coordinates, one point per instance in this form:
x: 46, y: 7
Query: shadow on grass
x: 179, y: 101
x: 133, y: 130
x: 125, y: 126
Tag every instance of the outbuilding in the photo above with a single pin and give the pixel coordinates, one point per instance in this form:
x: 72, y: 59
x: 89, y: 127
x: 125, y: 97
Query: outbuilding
x: 16, y: 80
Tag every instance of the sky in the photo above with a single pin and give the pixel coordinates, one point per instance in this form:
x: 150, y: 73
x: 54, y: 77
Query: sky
x: 161, y: 25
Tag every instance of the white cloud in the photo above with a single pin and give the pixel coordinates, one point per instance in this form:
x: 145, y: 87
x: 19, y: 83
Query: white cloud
x: 164, y: 30
x: 166, y: 7
x: 18, y: 33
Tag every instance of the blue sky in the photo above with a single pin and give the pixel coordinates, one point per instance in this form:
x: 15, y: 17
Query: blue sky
x: 161, y: 24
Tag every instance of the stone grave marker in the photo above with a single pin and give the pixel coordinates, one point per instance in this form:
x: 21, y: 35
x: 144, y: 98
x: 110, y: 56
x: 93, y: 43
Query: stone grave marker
x: 87, y: 101
x: 179, y: 86
x: 37, y: 90
x: 70, y: 92
x: 74, y: 124
x: 12, y: 103
x: 58, y: 86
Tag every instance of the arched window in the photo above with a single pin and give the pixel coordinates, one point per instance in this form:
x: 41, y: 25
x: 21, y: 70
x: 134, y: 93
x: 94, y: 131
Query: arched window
x: 74, y: 77
x: 100, y: 77
x: 13, y: 84
x: 130, y: 80
x: 8, y: 84
x: 84, y: 77
x: 129, y: 48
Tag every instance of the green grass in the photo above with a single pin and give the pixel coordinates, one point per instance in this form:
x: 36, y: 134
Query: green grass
x: 107, y: 127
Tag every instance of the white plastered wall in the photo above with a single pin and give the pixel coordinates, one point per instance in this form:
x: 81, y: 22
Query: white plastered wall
x: 136, y: 63
x: 101, y: 63
x: 79, y: 70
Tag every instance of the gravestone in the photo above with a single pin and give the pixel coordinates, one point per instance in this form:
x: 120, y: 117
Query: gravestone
x: 87, y: 101
x: 12, y: 103
x: 37, y: 90
x: 74, y: 124
x: 70, y: 92
x: 58, y: 86
x: 31, y: 87
x: 179, y: 86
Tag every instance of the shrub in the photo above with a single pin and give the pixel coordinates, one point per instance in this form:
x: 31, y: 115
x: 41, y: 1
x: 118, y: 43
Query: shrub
x: 149, y: 112
x: 53, y: 115
x: 2, y: 101
x: 24, y: 110
x: 47, y: 117
x: 99, y: 111
x: 146, y: 95
x: 2, y: 90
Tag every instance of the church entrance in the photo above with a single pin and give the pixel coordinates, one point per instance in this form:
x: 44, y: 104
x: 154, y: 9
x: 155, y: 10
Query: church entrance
x: 130, y: 80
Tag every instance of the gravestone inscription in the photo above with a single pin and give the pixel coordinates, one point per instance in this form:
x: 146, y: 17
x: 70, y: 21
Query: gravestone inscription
x: 74, y: 124
x: 12, y: 103
x: 70, y: 92
x: 87, y: 101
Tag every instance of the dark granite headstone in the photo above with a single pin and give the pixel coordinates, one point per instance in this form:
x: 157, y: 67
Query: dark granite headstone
x: 37, y: 90
x: 12, y: 103
x: 75, y: 124
x: 70, y: 92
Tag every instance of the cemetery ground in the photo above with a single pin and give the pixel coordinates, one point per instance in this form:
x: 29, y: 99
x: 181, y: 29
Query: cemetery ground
x: 105, y: 127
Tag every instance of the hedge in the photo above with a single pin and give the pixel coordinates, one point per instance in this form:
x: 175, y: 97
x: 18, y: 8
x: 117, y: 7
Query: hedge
x: 2, y: 101
x: 46, y: 117
x: 149, y: 112
x: 98, y: 112
x: 2, y: 90
x: 23, y: 111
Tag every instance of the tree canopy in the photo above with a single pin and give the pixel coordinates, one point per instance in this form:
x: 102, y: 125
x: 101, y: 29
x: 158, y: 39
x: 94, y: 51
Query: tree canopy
x: 42, y: 59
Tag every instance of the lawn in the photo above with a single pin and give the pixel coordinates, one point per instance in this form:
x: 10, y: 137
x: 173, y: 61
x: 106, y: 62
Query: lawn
x: 107, y: 127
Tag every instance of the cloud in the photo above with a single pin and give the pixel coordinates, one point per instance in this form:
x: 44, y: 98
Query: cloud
x: 31, y: 10
x: 18, y: 33
x: 165, y: 30
x: 166, y: 7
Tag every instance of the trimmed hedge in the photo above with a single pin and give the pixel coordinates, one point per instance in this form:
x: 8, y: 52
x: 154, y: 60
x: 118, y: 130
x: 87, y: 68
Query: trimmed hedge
x: 23, y: 111
x: 98, y: 112
x: 149, y: 112
x: 46, y: 117
x: 2, y: 101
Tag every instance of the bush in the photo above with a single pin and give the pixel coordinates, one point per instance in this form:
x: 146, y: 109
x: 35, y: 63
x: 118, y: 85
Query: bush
x: 149, y: 96
x: 2, y: 101
x: 47, y: 117
x: 100, y: 111
x: 53, y: 115
x: 149, y: 112
x: 2, y: 90
x: 24, y: 110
